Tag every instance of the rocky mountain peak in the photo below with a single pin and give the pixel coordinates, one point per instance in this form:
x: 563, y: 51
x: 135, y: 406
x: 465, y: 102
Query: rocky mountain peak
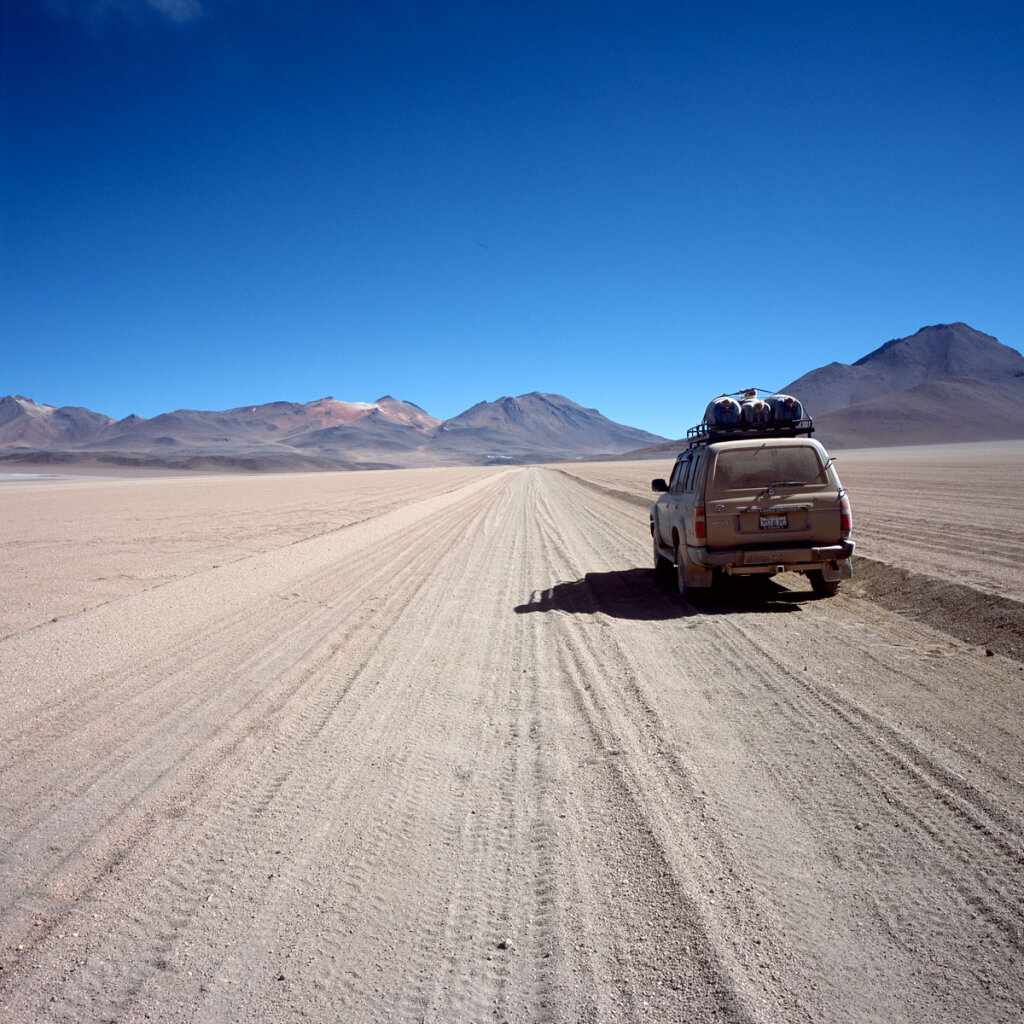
x: 944, y: 382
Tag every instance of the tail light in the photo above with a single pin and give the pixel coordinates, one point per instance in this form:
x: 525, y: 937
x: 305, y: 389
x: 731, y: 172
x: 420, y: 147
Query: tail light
x: 700, y: 526
x: 847, y: 515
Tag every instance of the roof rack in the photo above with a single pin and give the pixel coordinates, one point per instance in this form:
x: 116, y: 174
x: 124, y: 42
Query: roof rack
x: 706, y: 432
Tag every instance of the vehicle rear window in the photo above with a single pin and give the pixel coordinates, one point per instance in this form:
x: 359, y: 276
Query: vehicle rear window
x: 743, y: 468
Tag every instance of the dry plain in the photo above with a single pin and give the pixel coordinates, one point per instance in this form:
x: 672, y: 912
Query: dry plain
x: 431, y: 745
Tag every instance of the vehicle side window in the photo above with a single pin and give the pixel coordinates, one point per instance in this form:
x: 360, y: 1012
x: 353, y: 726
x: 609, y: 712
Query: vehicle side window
x: 679, y: 475
x: 691, y: 477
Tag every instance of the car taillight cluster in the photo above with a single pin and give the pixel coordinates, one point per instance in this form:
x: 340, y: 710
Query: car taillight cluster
x: 700, y: 525
x: 847, y: 515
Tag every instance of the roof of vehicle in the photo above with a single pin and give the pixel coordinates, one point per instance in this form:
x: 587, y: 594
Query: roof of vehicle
x: 774, y: 440
x: 769, y: 439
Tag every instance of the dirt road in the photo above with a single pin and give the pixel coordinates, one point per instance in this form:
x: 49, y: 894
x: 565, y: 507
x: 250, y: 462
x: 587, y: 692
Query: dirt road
x: 459, y: 759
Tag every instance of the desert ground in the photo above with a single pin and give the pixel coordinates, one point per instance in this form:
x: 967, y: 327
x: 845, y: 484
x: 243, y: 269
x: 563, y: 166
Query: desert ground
x: 432, y: 745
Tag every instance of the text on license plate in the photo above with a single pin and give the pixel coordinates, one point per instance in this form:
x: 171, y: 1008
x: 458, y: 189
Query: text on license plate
x: 780, y: 522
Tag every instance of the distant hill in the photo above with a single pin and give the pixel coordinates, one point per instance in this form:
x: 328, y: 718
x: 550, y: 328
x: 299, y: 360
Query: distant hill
x: 29, y: 424
x: 947, y: 382
x: 943, y: 352
x: 536, y: 425
x: 938, y: 412
x: 325, y: 433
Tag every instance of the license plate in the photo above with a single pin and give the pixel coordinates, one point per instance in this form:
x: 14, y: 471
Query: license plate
x: 775, y: 522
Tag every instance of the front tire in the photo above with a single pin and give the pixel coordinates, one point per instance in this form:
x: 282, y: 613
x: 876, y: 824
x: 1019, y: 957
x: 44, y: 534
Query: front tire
x: 821, y: 586
x: 680, y: 574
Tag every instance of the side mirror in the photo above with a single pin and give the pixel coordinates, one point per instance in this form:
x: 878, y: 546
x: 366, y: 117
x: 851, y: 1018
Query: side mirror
x: 659, y: 485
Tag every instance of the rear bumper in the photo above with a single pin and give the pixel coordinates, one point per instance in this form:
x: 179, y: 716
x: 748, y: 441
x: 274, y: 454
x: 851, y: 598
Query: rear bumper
x: 791, y: 559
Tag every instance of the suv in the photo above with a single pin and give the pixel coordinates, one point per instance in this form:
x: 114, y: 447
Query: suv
x: 753, y: 494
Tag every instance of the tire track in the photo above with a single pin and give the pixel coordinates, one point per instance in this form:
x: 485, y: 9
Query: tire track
x: 967, y: 843
x: 466, y: 762
x: 651, y: 781
x: 384, y: 833
x: 122, y: 838
x: 959, y: 834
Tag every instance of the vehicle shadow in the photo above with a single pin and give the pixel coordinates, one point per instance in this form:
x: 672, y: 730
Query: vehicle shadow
x: 639, y: 594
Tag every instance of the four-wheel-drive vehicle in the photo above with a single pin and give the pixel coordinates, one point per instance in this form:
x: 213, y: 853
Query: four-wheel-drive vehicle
x: 753, y: 494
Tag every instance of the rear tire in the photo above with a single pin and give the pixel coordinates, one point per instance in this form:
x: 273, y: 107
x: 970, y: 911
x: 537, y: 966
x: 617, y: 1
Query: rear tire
x: 821, y: 586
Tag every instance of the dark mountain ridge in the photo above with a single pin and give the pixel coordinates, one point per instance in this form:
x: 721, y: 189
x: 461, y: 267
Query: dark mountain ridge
x: 940, y: 352
x: 944, y: 383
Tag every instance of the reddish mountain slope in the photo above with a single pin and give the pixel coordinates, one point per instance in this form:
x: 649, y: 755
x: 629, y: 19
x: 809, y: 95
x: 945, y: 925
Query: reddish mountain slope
x: 26, y: 423
x: 325, y: 432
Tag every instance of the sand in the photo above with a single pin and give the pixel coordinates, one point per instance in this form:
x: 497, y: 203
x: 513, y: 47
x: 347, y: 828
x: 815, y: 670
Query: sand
x: 432, y: 745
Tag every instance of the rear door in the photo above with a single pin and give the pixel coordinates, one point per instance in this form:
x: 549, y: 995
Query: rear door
x: 777, y: 493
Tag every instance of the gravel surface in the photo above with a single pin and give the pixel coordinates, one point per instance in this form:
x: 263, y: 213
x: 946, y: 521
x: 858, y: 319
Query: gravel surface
x: 433, y: 746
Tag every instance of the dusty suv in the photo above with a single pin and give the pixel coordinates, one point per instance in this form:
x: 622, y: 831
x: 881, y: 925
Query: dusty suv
x: 753, y: 500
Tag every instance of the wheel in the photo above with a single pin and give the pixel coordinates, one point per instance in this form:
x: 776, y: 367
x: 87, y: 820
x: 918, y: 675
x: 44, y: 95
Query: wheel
x: 662, y: 566
x: 680, y: 573
x: 821, y: 586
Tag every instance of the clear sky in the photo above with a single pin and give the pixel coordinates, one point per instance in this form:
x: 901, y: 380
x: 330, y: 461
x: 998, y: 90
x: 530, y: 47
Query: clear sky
x: 214, y: 203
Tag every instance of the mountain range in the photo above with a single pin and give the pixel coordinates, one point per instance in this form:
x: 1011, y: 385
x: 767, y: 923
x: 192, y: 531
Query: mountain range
x: 947, y: 382
x: 323, y: 434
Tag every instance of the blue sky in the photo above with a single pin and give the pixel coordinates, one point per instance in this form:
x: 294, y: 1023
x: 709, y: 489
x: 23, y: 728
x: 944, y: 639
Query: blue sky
x: 213, y: 203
